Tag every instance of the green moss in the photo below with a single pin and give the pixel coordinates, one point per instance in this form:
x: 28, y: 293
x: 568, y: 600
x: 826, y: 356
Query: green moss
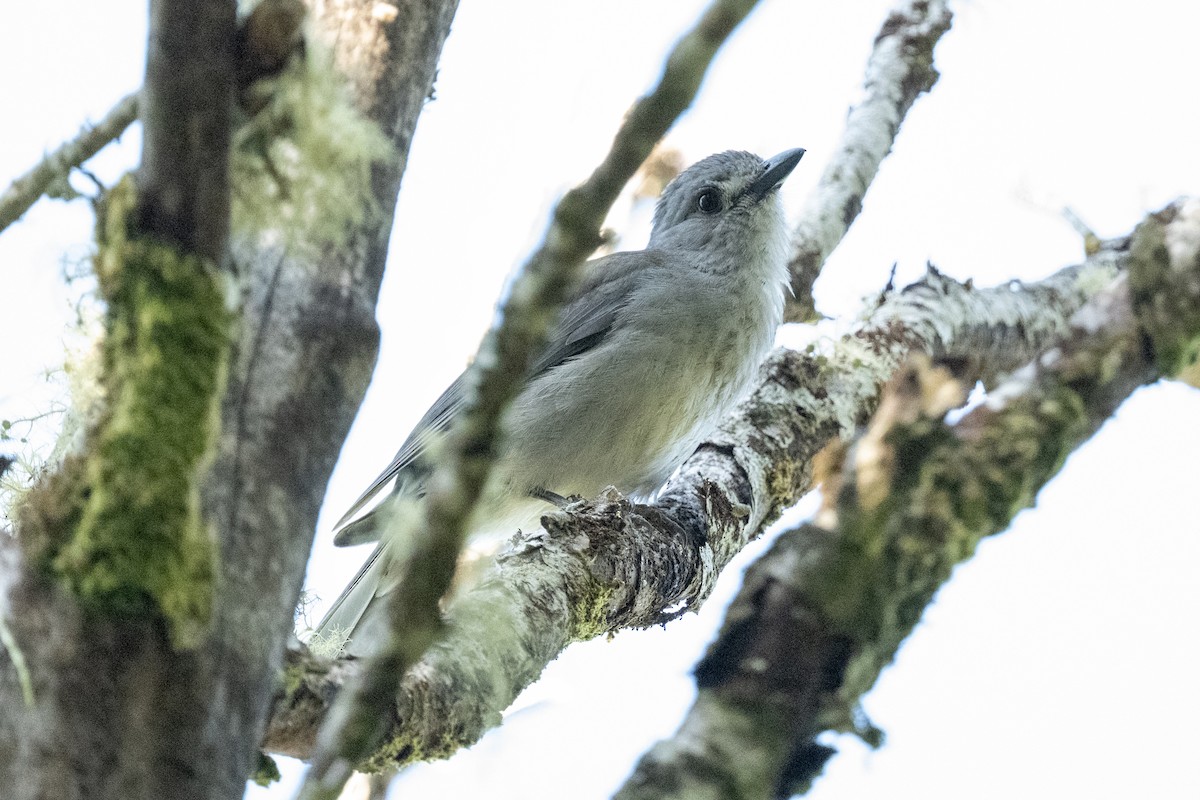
x: 1164, y: 298
x: 291, y: 679
x: 591, y: 614
x: 140, y: 544
x: 411, y: 749
x: 947, y: 493
x: 266, y: 771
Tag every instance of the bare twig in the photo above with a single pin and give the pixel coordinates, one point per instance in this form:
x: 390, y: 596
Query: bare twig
x: 899, y: 71
x: 355, y: 729
x: 27, y: 189
x: 1091, y: 242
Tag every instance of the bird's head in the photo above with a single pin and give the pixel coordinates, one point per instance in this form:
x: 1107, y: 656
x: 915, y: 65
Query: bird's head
x: 726, y: 201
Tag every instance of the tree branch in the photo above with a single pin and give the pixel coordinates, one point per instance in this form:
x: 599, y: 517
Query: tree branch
x: 354, y: 730
x: 610, y: 564
x: 899, y: 71
x: 305, y: 357
x: 54, y: 168
x: 186, y: 107
x: 826, y: 608
x: 112, y: 593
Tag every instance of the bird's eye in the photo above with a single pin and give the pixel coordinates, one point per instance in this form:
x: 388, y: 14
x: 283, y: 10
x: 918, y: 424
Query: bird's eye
x: 709, y: 201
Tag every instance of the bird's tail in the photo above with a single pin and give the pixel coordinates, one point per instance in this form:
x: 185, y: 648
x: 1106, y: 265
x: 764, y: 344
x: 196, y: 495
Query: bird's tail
x: 369, y: 527
x: 340, y: 632
x: 357, y: 619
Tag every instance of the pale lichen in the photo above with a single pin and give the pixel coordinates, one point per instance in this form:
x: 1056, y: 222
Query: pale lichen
x: 301, y: 165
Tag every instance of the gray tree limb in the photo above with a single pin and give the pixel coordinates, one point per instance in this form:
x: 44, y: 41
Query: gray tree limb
x: 899, y: 71
x: 609, y: 564
x: 267, y: 38
x: 112, y: 590
x: 186, y: 106
x: 306, y: 355
x: 357, y: 727
x: 826, y: 608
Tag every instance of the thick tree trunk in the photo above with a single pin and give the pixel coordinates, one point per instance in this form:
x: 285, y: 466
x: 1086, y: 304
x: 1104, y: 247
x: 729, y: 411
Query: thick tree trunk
x: 105, y: 705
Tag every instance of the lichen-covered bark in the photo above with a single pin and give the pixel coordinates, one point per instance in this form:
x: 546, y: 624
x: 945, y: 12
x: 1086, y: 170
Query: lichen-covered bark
x: 302, y: 364
x: 54, y: 168
x: 826, y: 608
x: 110, y: 596
x: 899, y: 71
x: 609, y: 564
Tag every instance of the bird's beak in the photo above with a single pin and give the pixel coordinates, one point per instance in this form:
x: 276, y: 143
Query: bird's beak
x: 775, y: 171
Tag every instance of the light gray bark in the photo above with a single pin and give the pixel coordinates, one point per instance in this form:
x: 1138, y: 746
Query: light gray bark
x: 899, y: 71
x: 27, y: 189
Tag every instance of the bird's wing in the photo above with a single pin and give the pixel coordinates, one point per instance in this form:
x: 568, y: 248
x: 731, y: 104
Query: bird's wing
x: 583, y: 324
x: 588, y: 319
x: 435, y: 422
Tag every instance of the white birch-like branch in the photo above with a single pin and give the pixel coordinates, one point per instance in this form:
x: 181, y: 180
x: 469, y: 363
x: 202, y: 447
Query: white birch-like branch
x: 899, y: 71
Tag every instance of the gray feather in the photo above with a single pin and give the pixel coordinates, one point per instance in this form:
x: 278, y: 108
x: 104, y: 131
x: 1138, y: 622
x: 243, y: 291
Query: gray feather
x: 583, y: 325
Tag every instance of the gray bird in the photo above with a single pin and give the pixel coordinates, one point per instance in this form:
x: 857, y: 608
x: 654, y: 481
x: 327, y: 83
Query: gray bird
x: 656, y: 346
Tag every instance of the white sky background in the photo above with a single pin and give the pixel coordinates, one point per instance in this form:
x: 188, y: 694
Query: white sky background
x: 1061, y: 661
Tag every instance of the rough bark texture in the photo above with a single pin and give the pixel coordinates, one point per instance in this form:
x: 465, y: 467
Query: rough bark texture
x: 825, y: 610
x: 899, y: 71
x: 107, y: 602
x: 118, y: 711
x: 305, y: 359
x: 610, y: 564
